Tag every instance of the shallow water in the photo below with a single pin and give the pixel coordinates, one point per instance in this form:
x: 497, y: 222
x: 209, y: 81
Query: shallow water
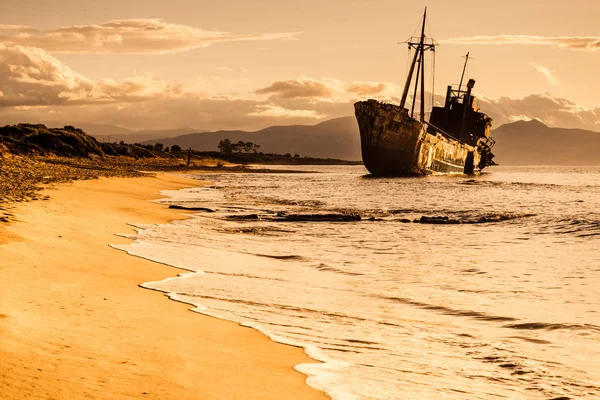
x: 404, y: 310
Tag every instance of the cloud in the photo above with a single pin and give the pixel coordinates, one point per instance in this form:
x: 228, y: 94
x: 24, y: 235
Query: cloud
x: 299, y: 88
x: 16, y: 28
x: 225, y: 68
x: 214, y: 112
x: 128, y: 36
x: 328, y: 89
x: 200, y: 111
x: 37, y: 87
x: 367, y: 88
x: 515, y: 118
x: 552, y: 110
x: 272, y: 110
x: 588, y: 43
x: 552, y: 78
x: 31, y: 77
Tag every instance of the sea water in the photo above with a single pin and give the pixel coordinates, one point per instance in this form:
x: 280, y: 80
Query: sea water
x: 399, y: 310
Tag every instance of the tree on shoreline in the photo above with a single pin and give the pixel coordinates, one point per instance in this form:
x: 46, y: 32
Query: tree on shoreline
x: 226, y: 146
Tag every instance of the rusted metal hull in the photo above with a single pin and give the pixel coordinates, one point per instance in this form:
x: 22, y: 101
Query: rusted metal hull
x: 393, y: 144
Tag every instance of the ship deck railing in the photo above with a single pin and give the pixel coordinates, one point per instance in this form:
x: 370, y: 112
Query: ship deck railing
x: 438, y: 130
x: 488, y: 141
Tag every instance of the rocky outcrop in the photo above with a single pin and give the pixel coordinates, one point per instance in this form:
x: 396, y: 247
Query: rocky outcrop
x: 445, y: 220
x: 321, y: 218
x: 285, y: 217
x: 178, y: 207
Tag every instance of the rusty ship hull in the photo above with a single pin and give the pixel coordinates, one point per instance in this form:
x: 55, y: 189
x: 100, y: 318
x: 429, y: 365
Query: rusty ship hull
x: 394, y: 144
x: 456, y: 139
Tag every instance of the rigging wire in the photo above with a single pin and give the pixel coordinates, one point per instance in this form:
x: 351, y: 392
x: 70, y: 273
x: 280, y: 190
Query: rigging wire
x: 433, y: 79
x: 428, y: 38
x: 410, y: 53
x: 428, y: 26
x: 417, y: 30
x: 408, y: 62
x: 467, y: 73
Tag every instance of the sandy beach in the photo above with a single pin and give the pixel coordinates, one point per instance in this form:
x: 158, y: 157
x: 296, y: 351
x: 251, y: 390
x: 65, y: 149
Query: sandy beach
x: 74, y: 323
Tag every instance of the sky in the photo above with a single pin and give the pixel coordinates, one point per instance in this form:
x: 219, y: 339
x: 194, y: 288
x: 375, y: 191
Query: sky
x: 233, y: 64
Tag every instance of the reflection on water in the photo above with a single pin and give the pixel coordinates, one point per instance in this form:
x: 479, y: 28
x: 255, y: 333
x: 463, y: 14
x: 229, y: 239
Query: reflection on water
x: 501, y: 308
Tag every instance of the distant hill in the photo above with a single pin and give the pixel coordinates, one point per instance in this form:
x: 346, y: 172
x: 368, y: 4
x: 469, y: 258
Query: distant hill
x: 111, y: 133
x: 518, y: 143
x: 336, y: 138
x: 533, y: 143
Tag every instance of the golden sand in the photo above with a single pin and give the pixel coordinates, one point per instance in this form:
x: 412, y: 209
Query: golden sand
x: 74, y: 323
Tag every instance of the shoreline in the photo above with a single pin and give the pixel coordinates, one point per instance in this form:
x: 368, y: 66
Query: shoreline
x: 74, y: 323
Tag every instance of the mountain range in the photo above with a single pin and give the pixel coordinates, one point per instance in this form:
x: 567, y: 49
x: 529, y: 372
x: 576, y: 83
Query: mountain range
x: 517, y: 143
x: 336, y: 138
x: 533, y: 143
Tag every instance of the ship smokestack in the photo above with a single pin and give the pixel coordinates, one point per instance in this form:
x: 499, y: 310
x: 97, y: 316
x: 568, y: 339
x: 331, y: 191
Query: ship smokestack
x: 466, y: 108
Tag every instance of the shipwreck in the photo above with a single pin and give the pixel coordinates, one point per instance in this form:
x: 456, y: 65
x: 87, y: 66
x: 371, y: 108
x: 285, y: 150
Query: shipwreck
x: 456, y: 139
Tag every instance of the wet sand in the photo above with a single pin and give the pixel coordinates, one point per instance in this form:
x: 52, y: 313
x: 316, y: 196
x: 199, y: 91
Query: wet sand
x: 75, y: 324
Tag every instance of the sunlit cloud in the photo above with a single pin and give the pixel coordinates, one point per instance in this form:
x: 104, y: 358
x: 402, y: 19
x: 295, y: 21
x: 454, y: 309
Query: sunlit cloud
x: 587, y: 43
x: 548, y: 108
x: 32, y: 77
x: 552, y: 78
x: 225, y: 68
x: 329, y: 89
x: 5, y: 27
x: 37, y: 87
x: 367, y: 88
x: 129, y: 36
x: 521, y: 117
x: 272, y: 110
x: 299, y: 88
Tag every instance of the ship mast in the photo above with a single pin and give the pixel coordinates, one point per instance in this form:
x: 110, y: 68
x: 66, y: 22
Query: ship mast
x: 462, y: 77
x: 419, y: 58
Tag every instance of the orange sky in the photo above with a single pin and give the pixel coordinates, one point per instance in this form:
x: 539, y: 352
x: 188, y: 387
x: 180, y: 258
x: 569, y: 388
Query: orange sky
x: 240, y: 64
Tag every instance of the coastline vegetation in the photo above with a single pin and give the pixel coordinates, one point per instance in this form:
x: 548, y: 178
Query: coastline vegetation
x: 33, y: 157
x: 69, y: 141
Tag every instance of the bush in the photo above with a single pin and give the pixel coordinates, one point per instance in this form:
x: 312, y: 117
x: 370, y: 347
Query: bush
x: 37, y: 138
x: 225, y: 146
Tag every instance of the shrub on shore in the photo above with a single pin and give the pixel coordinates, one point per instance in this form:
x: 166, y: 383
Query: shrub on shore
x: 39, y: 139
